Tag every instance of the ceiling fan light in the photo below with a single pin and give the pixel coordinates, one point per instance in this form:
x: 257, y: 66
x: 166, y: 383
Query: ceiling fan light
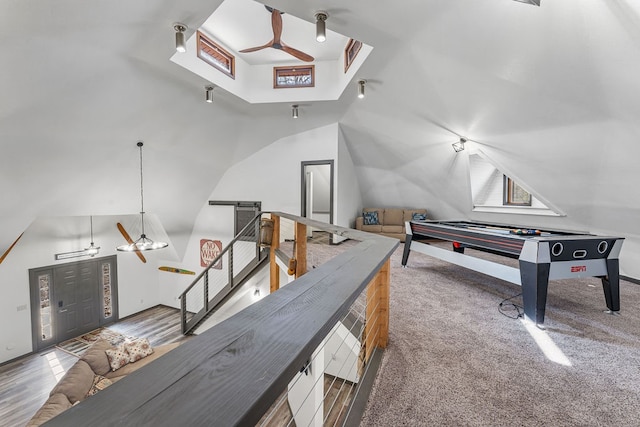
x: 321, y: 29
x: 209, y: 94
x: 361, y: 84
x: 181, y: 45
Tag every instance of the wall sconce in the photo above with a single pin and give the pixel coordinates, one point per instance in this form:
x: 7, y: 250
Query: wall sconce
x: 361, y: 84
x: 459, y: 146
x: 321, y: 31
x: 294, y: 111
x: 181, y: 46
x: 209, y: 94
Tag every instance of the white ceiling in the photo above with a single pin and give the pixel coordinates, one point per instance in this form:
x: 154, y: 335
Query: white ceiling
x: 551, y: 91
x: 242, y: 24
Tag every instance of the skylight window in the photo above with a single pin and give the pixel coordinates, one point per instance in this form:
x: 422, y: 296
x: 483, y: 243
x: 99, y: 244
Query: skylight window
x: 214, y: 55
x: 350, y: 52
x: 293, y: 76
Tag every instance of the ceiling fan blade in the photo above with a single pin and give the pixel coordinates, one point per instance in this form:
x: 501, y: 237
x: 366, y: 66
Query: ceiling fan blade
x: 253, y: 49
x: 298, y: 54
x: 276, y: 23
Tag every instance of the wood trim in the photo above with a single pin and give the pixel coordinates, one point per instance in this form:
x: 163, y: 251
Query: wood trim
x: 310, y: 68
x: 350, y: 52
x: 376, y: 331
x: 274, y: 269
x: 212, y: 48
x: 301, y: 249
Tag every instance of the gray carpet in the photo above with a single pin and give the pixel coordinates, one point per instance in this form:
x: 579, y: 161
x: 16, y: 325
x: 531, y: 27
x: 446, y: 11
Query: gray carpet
x: 454, y: 360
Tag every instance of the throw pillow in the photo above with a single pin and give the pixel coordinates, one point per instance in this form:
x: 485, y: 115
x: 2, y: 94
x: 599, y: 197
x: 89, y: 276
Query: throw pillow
x: 370, y: 218
x: 138, y: 349
x: 118, y: 357
x: 419, y: 217
x: 99, y: 383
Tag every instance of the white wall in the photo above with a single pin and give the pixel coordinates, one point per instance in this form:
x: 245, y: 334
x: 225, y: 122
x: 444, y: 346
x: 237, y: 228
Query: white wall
x: 271, y: 176
x: 347, y: 192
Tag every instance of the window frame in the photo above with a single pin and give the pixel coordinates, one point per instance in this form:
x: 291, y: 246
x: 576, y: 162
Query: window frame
x: 277, y: 71
x: 202, y: 41
x: 510, y: 193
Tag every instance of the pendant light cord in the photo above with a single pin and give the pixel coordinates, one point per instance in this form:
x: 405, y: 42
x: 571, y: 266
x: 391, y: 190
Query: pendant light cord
x: 140, y: 144
x: 91, y: 228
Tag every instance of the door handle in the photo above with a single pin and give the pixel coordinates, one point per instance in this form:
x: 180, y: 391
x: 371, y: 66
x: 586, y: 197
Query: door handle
x: 62, y: 311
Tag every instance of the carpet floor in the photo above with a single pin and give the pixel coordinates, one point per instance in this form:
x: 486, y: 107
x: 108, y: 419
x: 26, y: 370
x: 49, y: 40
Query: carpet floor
x: 454, y: 359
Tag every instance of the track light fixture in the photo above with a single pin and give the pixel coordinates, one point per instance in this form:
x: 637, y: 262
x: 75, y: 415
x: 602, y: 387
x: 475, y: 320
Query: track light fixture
x: 181, y: 46
x: 209, y: 94
x: 361, y: 84
x: 533, y: 2
x: 321, y: 31
x: 459, y: 146
x: 294, y: 111
x: 143, y: 243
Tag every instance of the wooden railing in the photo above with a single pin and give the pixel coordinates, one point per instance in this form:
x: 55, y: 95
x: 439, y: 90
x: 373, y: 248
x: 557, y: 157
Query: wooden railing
x: 232, y: 373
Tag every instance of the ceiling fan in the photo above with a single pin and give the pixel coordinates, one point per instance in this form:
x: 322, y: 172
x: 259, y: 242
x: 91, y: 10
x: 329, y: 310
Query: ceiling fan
x: 276, y: 42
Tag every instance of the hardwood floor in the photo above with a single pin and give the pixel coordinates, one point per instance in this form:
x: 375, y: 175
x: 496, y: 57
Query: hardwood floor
x: 25, y: 383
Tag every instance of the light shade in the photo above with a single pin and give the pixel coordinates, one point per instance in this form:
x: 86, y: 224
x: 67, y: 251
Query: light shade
x: 294, y: 111
x: 181, y: 46
x: 143, y: 243
x: 321, y: 31
x: 361, y: 84
x: 209, y: 94
x: 459, y: 146
x: 533, y: 2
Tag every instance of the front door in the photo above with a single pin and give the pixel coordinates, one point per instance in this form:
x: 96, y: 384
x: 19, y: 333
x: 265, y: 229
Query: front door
x: 71, y: 299
x: 76, y: 299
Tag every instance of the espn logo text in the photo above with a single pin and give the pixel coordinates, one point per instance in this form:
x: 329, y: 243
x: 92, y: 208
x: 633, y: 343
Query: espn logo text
x: 578, y: 268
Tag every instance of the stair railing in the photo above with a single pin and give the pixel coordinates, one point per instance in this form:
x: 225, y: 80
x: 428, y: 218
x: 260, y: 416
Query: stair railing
x: 228, y: 269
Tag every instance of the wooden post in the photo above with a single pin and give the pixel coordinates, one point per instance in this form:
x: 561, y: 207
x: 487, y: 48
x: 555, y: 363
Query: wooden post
x: 376, y: 330
x: 301, y: 249
x: 274, y: 270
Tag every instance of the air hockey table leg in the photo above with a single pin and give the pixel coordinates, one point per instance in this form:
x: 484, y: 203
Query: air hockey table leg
x: 535, y: 282
x: 611, y: 285
x: 407, y: 249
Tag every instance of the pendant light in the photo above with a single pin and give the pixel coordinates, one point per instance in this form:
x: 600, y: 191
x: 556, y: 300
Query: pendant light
x: 181, y: 45
x: 321, y: 30
x: 361, y: 84
x: 143, y: 243
x: 92, y: 250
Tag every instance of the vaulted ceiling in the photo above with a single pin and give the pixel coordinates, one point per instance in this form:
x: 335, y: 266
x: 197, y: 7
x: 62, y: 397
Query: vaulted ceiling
x: 551, y: 91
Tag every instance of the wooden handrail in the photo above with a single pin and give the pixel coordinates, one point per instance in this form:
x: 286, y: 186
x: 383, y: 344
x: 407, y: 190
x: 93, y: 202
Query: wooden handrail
x: 232, y: 373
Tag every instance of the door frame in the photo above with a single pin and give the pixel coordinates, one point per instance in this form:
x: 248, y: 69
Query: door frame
x: 34, y: 290
x: 303, y: 187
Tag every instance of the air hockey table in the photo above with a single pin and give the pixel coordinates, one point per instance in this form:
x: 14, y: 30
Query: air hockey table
x: 543, y: 255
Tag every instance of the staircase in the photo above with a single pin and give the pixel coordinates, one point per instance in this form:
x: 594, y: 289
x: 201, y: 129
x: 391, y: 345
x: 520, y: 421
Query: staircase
x: 223, y: 276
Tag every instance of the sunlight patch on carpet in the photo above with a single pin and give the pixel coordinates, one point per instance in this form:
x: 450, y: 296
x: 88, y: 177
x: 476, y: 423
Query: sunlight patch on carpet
x: 546, y: 344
